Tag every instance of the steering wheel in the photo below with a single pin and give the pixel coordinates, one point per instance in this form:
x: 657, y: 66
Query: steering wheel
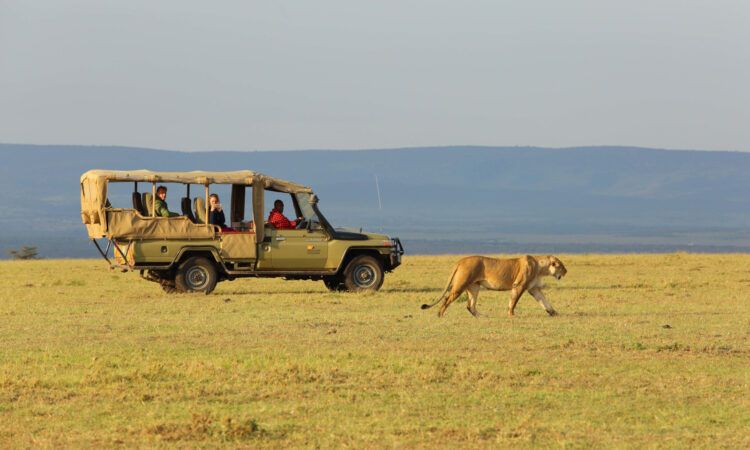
x: 301, y: 224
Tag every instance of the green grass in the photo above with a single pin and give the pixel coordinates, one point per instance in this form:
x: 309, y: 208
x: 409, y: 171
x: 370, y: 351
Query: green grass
x: 649, y: 350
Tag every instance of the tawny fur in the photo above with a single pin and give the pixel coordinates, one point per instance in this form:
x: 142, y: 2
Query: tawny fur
x: 516, y: 275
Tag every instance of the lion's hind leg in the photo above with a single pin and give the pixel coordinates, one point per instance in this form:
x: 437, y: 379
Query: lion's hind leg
x: 455, y: 293
x: 515, y: 294
x: 473, y: 293
x: 458, y: 288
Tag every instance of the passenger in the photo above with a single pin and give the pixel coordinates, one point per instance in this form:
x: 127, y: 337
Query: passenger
x: 278, y: 219
x: 216, y: 215
x: 160, y: 208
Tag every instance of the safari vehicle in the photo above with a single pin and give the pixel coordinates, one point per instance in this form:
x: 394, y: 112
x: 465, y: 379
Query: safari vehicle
x: 186, y: 254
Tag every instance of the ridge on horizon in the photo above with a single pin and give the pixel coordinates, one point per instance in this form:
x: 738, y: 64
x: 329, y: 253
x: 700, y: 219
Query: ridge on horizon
x: 374, y: 149
x: 442, y: 199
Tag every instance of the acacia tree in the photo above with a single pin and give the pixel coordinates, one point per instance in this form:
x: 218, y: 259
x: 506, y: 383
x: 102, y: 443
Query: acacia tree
x: 26, y: 252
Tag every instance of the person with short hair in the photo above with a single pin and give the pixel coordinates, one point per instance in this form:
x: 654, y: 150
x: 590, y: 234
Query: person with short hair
x: 160, y: 207
x: 278, y: 219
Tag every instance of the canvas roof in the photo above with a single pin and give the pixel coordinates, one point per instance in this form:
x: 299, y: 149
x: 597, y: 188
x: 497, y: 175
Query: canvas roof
x: 247, y: 177
x: 94, y: 185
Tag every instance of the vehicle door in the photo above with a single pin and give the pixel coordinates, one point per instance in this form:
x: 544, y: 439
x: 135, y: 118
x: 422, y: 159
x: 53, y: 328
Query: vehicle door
x: 298, y: 250
x: 302, y: 249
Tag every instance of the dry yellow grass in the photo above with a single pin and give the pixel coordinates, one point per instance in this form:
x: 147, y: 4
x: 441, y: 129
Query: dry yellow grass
x: 649, y: 350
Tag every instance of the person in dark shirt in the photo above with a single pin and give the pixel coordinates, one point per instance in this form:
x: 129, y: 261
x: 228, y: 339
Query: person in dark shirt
x: 216, y: 214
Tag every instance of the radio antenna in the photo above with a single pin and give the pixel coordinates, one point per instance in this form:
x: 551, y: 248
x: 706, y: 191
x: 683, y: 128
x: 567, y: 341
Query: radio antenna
x: 380, y: 203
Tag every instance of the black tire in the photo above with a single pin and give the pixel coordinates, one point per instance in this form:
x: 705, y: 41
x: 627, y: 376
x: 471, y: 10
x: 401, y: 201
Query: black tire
x: 196, y: 274
x: 363, y: 273
x: 334, y: 284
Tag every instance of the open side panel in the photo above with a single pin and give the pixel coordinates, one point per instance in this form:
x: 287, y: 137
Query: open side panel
x: 238, y: 246
x: 126, y: 224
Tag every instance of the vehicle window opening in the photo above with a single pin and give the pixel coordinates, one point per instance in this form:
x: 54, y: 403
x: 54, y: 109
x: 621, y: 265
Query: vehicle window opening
x: 119, y: 196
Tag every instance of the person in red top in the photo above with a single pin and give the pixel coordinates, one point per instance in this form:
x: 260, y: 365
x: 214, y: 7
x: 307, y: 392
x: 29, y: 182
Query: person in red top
x: 278, y: 219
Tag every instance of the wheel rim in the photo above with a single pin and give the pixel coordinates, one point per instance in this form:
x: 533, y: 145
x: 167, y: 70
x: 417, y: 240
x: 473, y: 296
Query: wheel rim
x: 196, y: 277
x: 364, y: 276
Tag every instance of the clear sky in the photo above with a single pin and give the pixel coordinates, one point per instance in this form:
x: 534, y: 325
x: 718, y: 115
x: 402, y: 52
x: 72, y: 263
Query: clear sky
x: 287, y: 74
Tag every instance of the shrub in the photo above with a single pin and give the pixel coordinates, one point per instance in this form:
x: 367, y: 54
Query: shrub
x: 26, y: 252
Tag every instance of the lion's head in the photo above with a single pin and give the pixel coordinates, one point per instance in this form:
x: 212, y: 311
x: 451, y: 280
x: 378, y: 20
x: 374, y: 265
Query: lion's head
x: 556, y: 267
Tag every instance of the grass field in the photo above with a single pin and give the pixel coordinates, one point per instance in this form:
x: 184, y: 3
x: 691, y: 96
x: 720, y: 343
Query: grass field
x: 648, y: 350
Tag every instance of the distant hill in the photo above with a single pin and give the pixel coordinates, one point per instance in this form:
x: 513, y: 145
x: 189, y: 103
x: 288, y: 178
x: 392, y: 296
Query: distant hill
x: 438, y: 200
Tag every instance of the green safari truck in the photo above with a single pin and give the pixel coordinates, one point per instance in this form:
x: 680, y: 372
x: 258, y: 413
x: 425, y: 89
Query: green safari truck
x: 185, y: 253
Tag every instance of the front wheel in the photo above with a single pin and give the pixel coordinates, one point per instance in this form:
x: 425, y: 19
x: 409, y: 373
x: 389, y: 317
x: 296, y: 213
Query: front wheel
x: 196, y: 274
x: 363, y: 273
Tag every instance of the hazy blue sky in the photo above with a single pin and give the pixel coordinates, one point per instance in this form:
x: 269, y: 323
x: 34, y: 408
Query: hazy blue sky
x: 249, y: 75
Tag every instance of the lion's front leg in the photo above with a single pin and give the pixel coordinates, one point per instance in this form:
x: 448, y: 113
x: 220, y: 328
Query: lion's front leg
x: 537, y: 293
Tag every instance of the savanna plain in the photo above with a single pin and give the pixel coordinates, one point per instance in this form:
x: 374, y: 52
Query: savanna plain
x: 648, y: 351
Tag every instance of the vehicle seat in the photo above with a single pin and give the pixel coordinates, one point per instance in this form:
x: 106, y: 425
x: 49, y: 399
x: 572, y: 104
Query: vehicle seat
x: 186, y: 209
x: 199, y: 205
x: 148, y: 203
x: 138, y: 204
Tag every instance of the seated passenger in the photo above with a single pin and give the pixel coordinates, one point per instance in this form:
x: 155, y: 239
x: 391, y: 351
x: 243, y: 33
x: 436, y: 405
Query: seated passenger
x: 278, y: 219
x: 160, y: 208
x: 215, y: 213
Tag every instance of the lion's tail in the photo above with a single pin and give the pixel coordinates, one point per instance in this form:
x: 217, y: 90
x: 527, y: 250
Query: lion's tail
x: 447, y: 287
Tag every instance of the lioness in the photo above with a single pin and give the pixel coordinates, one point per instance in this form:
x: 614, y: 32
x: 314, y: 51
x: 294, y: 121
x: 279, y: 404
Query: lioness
x: 516, y: 275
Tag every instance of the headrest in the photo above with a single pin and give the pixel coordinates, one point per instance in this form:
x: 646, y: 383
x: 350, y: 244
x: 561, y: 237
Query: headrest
x: 148, y: 203
x: 199, y: 205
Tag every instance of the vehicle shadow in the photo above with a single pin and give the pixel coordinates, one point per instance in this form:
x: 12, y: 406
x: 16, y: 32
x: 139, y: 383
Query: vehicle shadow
x: 410, y: 290
x: 266, y: 292
x: 323, y: 291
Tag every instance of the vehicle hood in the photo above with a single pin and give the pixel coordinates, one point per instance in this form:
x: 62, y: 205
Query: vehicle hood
x: 353, y: 233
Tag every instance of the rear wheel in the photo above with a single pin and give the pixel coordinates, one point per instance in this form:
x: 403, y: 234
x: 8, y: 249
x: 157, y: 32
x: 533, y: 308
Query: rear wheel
x: 363, y: 273
x: 196, y: 274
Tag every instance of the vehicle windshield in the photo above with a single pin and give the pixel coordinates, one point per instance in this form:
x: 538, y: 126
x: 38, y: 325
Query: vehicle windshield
x: 305, y: 205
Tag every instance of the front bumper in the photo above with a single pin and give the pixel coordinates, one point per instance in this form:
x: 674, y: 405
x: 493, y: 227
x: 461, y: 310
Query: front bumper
x: 396, y: 251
